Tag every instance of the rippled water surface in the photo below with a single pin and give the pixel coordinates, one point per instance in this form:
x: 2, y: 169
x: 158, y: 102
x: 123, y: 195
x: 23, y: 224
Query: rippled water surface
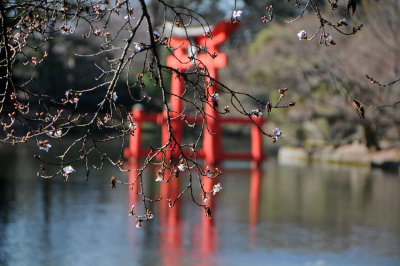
x: 306, y: 215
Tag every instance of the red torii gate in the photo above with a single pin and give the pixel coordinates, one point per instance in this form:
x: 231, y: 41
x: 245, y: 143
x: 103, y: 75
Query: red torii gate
x: 212, y: 151
x: 212, y: 136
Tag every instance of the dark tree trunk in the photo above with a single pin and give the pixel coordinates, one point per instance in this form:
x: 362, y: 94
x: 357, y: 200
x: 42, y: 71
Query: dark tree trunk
x: 370, y: 136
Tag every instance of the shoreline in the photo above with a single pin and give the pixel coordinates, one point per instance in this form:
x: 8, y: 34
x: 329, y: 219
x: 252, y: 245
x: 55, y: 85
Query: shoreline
x: 355, y: 154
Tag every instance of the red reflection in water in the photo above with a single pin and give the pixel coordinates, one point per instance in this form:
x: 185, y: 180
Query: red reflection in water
x: 254, y: 201
x: 205, y: 235
x: 205, y: 242
x: 171, y: 224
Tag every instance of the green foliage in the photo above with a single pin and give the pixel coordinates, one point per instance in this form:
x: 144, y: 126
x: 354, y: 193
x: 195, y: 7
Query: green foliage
x: 263, y: 38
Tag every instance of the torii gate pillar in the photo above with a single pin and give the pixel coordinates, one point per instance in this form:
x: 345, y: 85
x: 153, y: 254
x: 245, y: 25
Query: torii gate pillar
x: 212, y: 144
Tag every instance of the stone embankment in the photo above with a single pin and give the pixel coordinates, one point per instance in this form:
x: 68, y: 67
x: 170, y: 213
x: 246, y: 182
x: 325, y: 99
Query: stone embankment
x: 351, y: 154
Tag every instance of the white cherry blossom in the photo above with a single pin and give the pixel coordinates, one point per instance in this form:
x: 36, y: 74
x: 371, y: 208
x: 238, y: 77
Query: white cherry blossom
x: 237, y: 13
x: 217, y: 188
x: 302, y: 35
x: 181, y: 167
x: 68, y: 170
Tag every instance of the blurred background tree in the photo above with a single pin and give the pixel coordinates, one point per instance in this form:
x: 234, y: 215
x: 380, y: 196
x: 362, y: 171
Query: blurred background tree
x: 325, y: 79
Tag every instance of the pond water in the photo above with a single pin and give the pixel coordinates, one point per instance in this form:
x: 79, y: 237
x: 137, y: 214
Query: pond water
x: 307, y: 215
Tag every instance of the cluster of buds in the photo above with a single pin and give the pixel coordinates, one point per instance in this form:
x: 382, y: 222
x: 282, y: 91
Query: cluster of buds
x: 212, y: 173
x: 156, y: 36
x: 20, y: 107
x: 158, y: 39
x: 71, y: 97
x: 208, y: 173
x: 132, y: 125
x: 130, y: 13
x: 149, y: 214
x: 139, y: 78
x: 178, y: 22
x: 33, y: 22
x: 342, y: 22
x: 65, y: 29
x: 276, y: 134
x: 236, y: 16
x: 96, y: 7
x: 35, y: 61
x: 13, y: 96
x: 19, y: 38
x: 268, y: 17
x: 215, y: 98
x: 216, y: 188
x: 50, y: 118
x: 55, y: 133
x: 107, y: 117
x: 100, y: 8
x: 100, y: 32
x: 227, y: 109
x: 328, y: 39
x: 119, y: 163
x: 44, y: 145
x: 146, y: 97
x: 120, y: 3
x: 256, y: 113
